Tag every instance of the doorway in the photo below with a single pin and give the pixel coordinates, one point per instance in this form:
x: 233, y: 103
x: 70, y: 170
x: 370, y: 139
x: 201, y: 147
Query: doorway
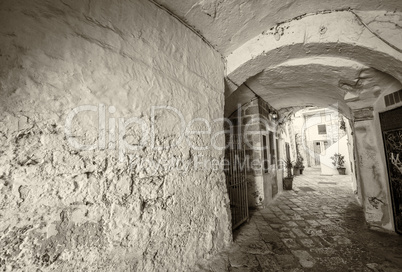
x: 269, y: 171
x: 391, y: 127
x: 236, y: 182
x: 317, y: 152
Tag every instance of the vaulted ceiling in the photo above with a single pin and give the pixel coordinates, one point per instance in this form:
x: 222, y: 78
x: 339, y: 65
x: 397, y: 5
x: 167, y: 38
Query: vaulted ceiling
x: 227, y: 24
x: 296, y: 53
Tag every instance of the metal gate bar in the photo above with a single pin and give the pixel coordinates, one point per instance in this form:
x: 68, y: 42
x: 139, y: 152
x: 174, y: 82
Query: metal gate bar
x: 236, y: 183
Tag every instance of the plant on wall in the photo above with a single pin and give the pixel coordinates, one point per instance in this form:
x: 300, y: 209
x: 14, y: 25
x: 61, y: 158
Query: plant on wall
x: 342, y: 124
x: 338, y: 160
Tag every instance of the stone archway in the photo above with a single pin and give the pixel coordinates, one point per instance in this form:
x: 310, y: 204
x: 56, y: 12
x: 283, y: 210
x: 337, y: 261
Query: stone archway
x: 340, y: 47
x: 338, y: 34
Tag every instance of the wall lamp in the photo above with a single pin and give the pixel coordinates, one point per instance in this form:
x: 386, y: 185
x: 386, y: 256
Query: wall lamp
x: 274, y: 115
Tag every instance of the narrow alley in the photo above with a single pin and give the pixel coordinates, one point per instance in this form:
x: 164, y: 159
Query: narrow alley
x: 318, y: 226
x: 163, y: 135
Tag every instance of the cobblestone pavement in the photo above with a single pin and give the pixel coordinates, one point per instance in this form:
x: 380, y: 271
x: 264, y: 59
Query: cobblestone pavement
x: 318, y: 226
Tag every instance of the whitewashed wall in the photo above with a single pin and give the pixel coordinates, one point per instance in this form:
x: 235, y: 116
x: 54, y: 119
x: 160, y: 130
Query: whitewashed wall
x: 63, y: 209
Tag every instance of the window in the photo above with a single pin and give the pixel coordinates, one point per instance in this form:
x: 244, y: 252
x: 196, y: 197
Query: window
x: 322, y: 129
x: 278, y: 153
x: 265, y: 151
x: 268, y: 143
x: 271, y: 148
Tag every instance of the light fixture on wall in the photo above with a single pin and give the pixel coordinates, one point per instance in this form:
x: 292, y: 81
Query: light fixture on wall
x: 274, y: 115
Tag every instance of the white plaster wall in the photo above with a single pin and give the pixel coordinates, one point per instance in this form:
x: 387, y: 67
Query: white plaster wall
x: 255, y: 190
x: 63, y: 209
x: 351, y: 152
x: 372, y: 174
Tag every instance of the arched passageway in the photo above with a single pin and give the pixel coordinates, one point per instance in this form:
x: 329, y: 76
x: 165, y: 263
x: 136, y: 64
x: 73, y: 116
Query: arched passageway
x: 96, y: 95
x: 327, y: 59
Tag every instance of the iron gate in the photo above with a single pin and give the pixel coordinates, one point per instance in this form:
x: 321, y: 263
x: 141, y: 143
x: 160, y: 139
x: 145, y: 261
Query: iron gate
x: 392, y: 134
x: 236, y: 183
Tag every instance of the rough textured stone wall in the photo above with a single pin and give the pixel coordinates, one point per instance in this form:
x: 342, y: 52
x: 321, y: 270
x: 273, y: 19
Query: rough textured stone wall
x: 63, y: 209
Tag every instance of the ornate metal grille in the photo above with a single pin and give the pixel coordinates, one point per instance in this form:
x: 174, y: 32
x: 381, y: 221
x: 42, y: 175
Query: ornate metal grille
x: 392, y: 134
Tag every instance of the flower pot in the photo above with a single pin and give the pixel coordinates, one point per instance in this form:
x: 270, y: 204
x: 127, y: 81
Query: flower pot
x: 287, y: 183
x: 296, y: 171
x: 301, y: 171
x: 341, y: 170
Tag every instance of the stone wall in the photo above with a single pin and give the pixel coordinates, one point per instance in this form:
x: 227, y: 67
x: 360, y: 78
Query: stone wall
x: 252, y: 121
x: 109, y: 207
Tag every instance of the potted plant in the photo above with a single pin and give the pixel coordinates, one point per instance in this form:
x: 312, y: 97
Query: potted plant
x: 298, y: 167
x: 288, y: 180
x: 338, y: 161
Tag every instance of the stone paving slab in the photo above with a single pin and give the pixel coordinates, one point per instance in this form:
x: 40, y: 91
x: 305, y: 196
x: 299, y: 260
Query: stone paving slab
x: 318, y: 226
